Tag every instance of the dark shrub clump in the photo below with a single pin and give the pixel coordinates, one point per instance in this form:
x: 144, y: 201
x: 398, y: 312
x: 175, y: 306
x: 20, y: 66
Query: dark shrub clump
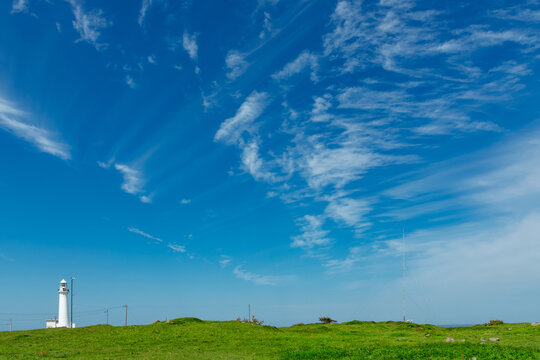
x: 326, y: 320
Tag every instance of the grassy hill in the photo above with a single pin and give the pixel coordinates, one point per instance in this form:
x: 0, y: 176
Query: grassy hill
x: 190, y: 338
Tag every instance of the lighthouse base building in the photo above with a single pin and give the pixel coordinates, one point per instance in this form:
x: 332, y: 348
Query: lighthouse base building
x: 63, y: 319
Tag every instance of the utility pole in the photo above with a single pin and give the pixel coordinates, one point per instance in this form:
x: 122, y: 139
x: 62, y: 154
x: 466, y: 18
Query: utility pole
x: 71, y: 316
x: 107, y: 311
x: 126, y: 313
x: 249, y: 313
x: 403, y: 272
x: 10, y: 325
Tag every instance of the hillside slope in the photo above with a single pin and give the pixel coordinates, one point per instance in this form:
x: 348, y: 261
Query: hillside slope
x: 190, y: 338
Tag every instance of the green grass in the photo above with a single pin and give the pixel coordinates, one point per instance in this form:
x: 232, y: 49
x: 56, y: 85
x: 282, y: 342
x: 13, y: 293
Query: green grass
x: 190, y: 338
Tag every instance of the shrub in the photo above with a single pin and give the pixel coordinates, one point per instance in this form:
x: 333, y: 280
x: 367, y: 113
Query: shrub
x: 326, y: 320
x: 495, y: 322
x: 255, y: 321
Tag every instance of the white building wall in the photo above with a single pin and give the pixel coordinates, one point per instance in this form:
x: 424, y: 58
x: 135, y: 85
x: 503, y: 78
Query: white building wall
x: 51, y: 323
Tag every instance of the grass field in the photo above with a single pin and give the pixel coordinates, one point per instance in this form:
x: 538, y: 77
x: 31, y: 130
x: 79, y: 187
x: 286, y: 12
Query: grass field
x: 190, y: 338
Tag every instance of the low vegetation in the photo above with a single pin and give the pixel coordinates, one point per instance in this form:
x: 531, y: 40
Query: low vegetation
x: 191, y: 338
x: 326, y: 320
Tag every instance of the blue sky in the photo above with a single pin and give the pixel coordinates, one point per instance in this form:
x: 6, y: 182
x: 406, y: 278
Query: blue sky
x: 190, y: 158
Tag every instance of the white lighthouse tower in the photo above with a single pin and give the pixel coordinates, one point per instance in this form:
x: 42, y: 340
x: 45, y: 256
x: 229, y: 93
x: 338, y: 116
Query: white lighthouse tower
x: 63, y: 320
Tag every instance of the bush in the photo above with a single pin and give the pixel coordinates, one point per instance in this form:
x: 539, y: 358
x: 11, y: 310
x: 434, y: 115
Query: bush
x: 255, y: 321
x: 495, y: 322
x: 326, y: 320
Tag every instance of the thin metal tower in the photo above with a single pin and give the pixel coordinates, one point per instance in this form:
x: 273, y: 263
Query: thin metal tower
x: 403, y: 274
x: 71, y: 316
x: 126, y: 314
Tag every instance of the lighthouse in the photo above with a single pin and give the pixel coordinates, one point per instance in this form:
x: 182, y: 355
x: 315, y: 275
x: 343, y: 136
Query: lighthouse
x: 63, y: 319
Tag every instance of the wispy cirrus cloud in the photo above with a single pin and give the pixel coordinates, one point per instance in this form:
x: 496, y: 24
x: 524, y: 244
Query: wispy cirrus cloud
x: 142, y: 233
x: 231, y: 130
x: 239, y: 130
x: 258, y: 279
x: 189, y: 42
x: 177, y: 248
x: 312, y: 233
x: 236, y: 64
x: 145, y: 6
x: 501, y: 177
x: 89, y: 24
x: 19, y: 6
x: 133, y: 179
x: 305, y: 60
x: 430, y: 79
x: 266, y: 27
x: 130, y: 82
x: 174, y: 247
x: 225, y: 261
x: 13, y: 119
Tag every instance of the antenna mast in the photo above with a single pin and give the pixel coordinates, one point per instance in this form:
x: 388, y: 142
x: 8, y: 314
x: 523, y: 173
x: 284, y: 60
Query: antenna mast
x: 403, y: 274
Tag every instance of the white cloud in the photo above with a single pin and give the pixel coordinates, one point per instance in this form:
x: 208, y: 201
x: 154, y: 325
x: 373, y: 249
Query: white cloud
x: 303, y: 61
x: 232, y: 128
x: 320, y: 155
x: 146, y: 199
x: 177, y: 248
x: 189, y: 42
x: 185, y: 201
x: 517, y: 13
x: 320, y: 107
x: 349, y: 211
x: 312, y: 234
x: 225, y: 261
x: 494, y: 180
x: 130, y: 82
x: 152, y: 59
x: 146, y: 4
x: 236, y: 64
x: 142, y: 233
x: 473, y: 262
x: 257, y: 278
x: 133, y: 180
x: 394, y: 37
x: 19, y: 6
x: 11, y: 119
x: 355, y: 256
x: 88, y: 24
x: 252, y: 162
x: 267, y: 26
